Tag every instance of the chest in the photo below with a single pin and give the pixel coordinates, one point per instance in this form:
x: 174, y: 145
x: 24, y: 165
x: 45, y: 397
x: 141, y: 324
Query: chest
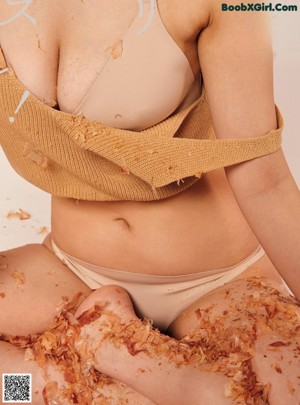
x: 56, y: 48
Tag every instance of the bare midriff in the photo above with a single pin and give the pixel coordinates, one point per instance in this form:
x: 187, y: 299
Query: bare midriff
x: 197, y: 230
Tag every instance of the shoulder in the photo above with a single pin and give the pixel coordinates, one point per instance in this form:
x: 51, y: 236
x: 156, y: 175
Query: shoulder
x: 188, y: 16
x: 229, y: 14
x: 236, y: 59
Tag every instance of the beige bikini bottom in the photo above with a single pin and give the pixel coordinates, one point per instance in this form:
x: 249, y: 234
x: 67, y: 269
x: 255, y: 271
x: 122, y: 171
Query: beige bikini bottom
x: 159, y: 298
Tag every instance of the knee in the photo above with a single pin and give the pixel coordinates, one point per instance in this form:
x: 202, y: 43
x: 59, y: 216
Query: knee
x: 106, y: 297
x: 107, y: 291
x: 106, y: 294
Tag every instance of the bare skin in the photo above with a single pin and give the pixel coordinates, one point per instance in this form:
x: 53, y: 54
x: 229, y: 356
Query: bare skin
x: 117, y: 363
x: 22, y: 270
x: 277, y: 367
x: 207, y: 216
x: 134, y: 243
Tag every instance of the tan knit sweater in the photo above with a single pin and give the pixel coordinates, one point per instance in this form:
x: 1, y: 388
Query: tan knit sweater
x: 70, y: 156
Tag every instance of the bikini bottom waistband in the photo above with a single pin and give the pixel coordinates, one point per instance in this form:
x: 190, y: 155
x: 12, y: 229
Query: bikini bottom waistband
x: 160, y: 298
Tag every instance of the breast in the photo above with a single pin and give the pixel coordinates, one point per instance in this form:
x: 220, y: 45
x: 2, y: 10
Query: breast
x: 145, y: 78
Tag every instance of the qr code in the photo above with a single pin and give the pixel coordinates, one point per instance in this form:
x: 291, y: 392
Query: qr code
x: 16, y: 388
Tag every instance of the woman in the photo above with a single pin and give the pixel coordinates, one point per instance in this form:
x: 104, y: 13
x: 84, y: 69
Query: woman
x: 176, y: 236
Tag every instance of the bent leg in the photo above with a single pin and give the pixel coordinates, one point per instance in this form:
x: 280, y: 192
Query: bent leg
x: 110, y: 393
x: 140, y: 356
x: 128, y: 349
x: 255, y: 313
x: 33, y: 283
x: 34, y: 286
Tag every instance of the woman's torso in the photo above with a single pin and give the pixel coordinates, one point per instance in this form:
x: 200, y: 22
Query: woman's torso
x: 58, y: 59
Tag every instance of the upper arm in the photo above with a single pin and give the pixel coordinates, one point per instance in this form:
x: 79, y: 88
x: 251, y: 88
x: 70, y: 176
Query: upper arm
x: 236, y: 59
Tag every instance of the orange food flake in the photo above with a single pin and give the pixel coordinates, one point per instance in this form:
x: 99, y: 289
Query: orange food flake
x: 21, y: 215
x: 18, y: 276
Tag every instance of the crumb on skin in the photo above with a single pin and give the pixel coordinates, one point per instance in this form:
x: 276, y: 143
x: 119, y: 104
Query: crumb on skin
x: 18, y: 276
x: 290, y: 387
x: 116, y: 49
x: 277, y: 368
x: 215, y: 345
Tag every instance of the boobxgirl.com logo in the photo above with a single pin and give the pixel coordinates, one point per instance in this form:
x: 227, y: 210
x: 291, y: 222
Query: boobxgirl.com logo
x: 259, y: 7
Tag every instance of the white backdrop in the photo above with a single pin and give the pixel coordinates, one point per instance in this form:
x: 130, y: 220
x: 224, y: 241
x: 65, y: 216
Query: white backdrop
x: 16, y: 193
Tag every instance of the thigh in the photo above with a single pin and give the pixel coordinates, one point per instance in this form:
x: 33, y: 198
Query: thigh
x: 33, y: 284
x: 223, y: 298
x: 253, y: 315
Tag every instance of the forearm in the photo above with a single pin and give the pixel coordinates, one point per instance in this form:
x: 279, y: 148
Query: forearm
x: 270, y: 201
